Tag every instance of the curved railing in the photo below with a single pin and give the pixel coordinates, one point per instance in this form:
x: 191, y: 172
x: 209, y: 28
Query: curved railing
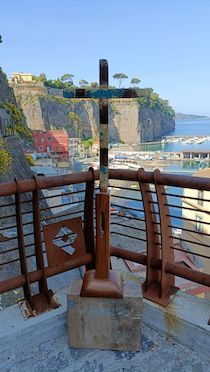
x: 161, y: 203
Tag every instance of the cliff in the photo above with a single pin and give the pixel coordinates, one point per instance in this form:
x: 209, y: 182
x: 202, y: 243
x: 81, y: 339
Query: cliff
x: 131, y: 120
x: 13, y: 162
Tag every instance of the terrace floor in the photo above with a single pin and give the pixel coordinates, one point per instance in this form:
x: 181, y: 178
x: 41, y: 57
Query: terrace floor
x: 157, y: 354
x: 40, y: 344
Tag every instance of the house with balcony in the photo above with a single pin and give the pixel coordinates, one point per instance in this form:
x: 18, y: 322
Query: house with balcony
x: 52, y: 142
x: 76, y: 147
x: 21, y: 77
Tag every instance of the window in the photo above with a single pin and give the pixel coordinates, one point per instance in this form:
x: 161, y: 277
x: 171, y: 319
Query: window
x: 198, y: 224
x: 49, y: 138
x: 40, y: 148
x: 200, y: 197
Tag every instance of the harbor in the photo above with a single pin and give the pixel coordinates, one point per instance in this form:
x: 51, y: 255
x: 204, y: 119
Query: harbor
x: 186, y: 139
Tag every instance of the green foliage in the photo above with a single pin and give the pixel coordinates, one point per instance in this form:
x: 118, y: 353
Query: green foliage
x: 5, y: 158
x: 75, y: 120
x: 30, y: 160
x: 18, y: 120
x: 120, y: 77
x: 83, y: 83
x: 57, y: 83
x: 74, y: 117
x: 88, y: 143
x: 94, y: 85
x: 67, y: 78
x: 64, y: 82
x: 42, y: 77
x: 149, y: 98
x: 59, y: 99
x: 135, y: 81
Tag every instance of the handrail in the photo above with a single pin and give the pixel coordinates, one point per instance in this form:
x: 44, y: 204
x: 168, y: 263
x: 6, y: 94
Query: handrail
x: 159, y: 258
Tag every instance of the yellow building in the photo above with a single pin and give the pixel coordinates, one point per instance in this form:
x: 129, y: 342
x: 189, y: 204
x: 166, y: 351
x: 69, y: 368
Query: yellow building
x: 196, y: 222
x: 20, y: 77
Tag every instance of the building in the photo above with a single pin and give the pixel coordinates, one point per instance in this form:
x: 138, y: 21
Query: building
x: 196, y: 222
x: 53, y: 142
x: 73, y: 144
x: 20, y: 77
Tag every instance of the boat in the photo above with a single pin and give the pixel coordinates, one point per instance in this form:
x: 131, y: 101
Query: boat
x: 134, y: 186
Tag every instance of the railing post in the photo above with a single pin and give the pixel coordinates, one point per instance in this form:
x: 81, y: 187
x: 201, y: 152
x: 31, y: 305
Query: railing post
x: 21, y: 247
x: 89, y: 220
x: 159, y: 285
x: 153, y: 249
x: 167, y: 288
x: 43, y: 300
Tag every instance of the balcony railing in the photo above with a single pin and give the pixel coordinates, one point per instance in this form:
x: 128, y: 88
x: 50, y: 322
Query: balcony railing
x: 147, y: 207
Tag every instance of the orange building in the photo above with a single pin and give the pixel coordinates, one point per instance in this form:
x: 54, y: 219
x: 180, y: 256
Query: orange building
x: 52, y: 142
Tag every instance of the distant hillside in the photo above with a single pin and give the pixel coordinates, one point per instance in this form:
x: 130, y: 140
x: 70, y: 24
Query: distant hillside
x: 180, y: 116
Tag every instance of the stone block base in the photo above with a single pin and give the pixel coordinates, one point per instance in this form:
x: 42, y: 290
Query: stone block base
x: 106, y: 323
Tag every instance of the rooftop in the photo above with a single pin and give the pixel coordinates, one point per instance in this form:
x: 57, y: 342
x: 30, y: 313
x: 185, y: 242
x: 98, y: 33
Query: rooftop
x: 202, y: 173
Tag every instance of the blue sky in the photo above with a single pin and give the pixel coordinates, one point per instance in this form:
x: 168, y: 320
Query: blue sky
x: 163, y: 42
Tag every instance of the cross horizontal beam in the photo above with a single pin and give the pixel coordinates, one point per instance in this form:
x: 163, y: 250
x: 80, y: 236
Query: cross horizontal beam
x: 101, y: 93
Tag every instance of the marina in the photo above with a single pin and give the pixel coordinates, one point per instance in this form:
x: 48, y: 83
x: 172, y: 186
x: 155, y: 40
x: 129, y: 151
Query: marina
x: 185, y: 139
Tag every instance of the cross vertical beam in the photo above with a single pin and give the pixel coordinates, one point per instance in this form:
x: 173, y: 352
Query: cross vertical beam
x: 103, y: 197
x: 103, y: 127
x: 103, y: 282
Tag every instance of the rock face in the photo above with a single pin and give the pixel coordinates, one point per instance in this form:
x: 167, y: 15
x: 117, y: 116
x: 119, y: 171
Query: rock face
x: 130, y: 121
x: 154, y: 123
x: 6, y: 95
x: 18, y: 165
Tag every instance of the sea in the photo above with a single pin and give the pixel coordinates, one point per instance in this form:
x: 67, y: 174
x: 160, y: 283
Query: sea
x: 182, y: 128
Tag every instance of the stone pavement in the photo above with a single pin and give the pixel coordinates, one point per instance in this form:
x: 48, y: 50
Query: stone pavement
x: 157, y: 354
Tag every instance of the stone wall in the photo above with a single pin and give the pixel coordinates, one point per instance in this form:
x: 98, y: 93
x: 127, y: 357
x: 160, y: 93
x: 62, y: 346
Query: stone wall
x: 32, y: 88
x: 125, y: 124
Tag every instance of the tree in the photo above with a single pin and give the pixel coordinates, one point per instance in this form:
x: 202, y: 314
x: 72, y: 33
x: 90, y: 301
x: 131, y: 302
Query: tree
x: 94, y: 85
x: 57, y: 83
x: 42, y: 77
x: 120, y: 76
x: 88, y: 144
x: 83, y: 83
x: 76, y: 120
x: 67, y: 78
x: 135, y: 81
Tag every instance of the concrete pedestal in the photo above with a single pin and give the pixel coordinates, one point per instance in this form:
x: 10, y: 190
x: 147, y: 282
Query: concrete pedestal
x: 106, y: 323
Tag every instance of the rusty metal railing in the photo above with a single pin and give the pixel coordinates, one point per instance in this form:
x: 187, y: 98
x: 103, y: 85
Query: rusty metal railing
x: 144, y: 213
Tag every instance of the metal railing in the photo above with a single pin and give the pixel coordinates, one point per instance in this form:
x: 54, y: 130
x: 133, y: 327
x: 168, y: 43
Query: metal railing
x: 146, y: 213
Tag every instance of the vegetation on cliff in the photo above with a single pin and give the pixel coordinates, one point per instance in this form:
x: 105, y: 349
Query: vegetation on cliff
x: 5, y: 158
x: 19, y: 126
x: 149, y: 115
x: 148, y: 97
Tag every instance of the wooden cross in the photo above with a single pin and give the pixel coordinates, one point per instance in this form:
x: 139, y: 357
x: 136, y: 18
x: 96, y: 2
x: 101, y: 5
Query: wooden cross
x: 103, y: 282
